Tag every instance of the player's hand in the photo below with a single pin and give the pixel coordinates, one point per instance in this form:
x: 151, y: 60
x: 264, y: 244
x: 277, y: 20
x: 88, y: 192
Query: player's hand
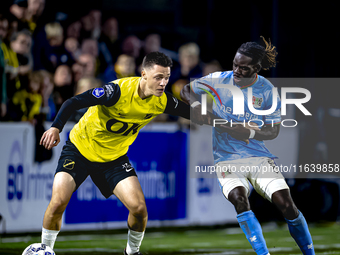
x: 239, y: 131
x: 50, y: 138
x: 197, y: 117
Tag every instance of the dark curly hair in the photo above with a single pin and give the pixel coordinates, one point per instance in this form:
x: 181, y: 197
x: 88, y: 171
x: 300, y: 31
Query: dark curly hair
x: 265, y: 56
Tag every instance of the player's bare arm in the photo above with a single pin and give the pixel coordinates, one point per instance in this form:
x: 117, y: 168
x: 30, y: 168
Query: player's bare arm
x: 51, y: 137
x: 207, y: 119
x: 267, y: 133
x: 241, y: 132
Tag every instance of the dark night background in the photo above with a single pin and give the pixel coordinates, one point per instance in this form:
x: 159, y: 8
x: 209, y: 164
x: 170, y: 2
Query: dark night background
x: 305, y: 33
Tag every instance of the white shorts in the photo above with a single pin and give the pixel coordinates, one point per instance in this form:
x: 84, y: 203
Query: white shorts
x: 261, y: 172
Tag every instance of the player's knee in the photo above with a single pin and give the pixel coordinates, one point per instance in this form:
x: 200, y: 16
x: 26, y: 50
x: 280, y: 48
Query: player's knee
x: 238, y: 197
x: 139, y: 211
x: 57, y: 206
x: 289, y: 210
x: 285, y: 204
x: 241, y: 204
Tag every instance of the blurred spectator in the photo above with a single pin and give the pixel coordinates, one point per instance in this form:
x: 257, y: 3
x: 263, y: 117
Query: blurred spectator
x: 63, y: 88
x: 3, y: 83
x: 84, y: 67
x: 211, y: 67
x: 132, y: 46
x: 177, y: 87
x: 153, y: 42
x: 187, y: 68
x: 90, y: 46
x: 49, y: 108
x: 72, y: 47
x: 83, y: 85
x: 73, y: 30
x: 52, y: 53
x: 35, y: 9
x: 21, y: 43
x: 87, y: 25
x: 96, y: 15
x: 189, y: 64
x: 18, y: 9
x: 108, y: 44
x: 11, y: 65
x: 26, y: 103
x: 125, y: 66
x: 17, y: 21
x: 47, y: 113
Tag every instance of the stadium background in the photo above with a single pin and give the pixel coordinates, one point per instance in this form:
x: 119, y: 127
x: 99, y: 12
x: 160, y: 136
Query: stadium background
x: 305, y: 36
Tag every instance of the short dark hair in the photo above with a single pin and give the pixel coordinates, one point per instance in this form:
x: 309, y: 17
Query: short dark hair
x: 15, y: 35
x: 156, y: 58
x: 265, y: 56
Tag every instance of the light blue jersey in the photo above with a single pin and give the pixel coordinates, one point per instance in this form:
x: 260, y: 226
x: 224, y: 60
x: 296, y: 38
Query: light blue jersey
x: 226, y: 147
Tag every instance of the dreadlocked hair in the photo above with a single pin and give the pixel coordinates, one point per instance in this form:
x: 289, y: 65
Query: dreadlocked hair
x: 266, y: 56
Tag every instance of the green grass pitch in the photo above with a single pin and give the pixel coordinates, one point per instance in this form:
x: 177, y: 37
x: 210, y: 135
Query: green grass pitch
x: 180, y: 241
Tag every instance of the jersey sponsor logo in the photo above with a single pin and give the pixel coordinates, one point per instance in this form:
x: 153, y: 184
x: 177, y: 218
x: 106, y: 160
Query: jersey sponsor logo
x: 257, y: 101
x: 69, y: 164
x: 98, y: 92
x: 120, y: 127
x: 127, y: 166
x: 109, y: 90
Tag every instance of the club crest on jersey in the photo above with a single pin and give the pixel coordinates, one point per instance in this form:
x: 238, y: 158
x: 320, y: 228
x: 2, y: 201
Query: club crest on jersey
x: 257, y: 101
x: 98, y: 92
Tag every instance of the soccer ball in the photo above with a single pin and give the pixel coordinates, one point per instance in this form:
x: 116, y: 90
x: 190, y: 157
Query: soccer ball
x: 38, y: 249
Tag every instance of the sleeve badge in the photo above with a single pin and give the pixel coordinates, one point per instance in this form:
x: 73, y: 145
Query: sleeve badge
x: 98, y: 92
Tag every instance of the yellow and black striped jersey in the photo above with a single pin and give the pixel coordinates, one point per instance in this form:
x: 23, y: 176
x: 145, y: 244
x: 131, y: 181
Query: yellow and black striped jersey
x: 114, y: 118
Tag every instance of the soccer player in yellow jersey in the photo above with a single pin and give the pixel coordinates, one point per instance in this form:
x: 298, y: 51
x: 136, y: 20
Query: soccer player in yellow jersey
x: 99, y: 143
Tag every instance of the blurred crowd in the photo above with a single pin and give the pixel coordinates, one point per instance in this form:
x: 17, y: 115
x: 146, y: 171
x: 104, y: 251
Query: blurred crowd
x: 42, y: 64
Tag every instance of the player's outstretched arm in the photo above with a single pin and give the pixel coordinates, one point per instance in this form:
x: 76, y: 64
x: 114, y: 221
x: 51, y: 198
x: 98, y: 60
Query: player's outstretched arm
x: 50, y: 138
x: 250, y: 132
x: 240, y: 132
x: 267, y: 133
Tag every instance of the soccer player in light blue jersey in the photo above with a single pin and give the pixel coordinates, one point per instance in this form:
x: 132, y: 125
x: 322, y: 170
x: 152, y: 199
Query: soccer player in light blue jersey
x: 241, y: 147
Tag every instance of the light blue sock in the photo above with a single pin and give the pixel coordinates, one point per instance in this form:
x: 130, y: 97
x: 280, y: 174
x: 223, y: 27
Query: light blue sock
x: 298, y: 229
x: 253, y: 231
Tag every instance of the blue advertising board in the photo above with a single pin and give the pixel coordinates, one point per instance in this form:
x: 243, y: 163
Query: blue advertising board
x: 160, y: 161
